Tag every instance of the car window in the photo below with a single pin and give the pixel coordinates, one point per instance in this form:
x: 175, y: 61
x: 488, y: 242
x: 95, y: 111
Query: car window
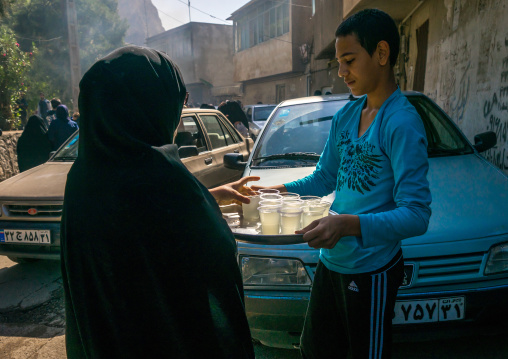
x: 69, y: 152
x: 296, y: 129
x: 442, y: 136
x: 235, y: 135
x: 219, y: 136
x: 190, y: 134
x: 249, y: 112
x: 262, y: 113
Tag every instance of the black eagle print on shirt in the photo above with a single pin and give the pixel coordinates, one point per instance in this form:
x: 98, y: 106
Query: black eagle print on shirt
x: 358, y: 164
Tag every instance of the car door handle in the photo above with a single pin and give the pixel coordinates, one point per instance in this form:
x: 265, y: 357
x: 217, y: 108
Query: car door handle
x: 208, y: 160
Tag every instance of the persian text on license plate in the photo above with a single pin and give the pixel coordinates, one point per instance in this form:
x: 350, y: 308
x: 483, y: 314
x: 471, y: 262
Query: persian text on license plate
x: 25, y: 236
x: 430, y: 310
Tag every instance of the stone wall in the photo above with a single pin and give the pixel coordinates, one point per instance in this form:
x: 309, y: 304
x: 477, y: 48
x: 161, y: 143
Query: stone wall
x: 467, y: 65
x: 8, y: 156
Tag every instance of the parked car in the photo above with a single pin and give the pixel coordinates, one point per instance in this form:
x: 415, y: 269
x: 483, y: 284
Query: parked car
x: 257, y: 116
x: 456, y: 274
x: 31, y: 202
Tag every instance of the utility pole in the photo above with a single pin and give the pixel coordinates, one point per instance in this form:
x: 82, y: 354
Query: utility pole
x: 75, y: 66
x: 189, y: 12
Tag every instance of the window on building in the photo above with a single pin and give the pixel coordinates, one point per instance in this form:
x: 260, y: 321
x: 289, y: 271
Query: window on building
x: 280, y: 93
x: 268, y: 20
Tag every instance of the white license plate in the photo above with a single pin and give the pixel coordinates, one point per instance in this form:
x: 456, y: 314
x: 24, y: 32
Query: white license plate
x: 430, y: 310
x: 25, y: 236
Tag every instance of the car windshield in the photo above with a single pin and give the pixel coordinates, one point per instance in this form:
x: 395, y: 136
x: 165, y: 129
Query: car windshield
x: 262, y: 113
x: 296, y: 135
x: 69, y: 152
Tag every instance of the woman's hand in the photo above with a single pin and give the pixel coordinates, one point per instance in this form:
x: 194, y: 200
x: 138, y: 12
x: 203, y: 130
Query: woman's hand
x: 234, y: 192
x: 326, y: 232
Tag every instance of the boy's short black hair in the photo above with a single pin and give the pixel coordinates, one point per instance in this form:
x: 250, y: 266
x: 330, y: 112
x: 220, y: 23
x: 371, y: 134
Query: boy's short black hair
x: 370, y: 27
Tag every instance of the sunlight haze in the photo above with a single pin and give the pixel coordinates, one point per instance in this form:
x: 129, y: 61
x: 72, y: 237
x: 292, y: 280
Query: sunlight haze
x: 174, y: 13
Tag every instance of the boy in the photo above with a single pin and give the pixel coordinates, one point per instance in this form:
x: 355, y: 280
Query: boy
x: 376, y: 160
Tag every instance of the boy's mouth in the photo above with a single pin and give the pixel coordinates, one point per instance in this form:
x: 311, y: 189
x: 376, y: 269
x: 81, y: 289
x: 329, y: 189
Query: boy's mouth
x: 349, y: 83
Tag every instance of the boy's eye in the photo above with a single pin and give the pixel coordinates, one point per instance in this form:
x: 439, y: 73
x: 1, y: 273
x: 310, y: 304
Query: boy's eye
x: 349, y: 61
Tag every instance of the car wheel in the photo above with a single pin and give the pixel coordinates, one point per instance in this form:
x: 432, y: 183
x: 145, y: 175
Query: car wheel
x: 23, y: 260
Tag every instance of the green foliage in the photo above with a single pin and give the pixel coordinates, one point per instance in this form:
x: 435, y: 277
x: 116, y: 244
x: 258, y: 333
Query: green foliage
x: 14, y: 67
x: 43, y: 23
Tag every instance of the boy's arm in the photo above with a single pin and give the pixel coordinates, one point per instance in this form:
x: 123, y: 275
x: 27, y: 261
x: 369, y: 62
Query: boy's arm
x: 406, y: 145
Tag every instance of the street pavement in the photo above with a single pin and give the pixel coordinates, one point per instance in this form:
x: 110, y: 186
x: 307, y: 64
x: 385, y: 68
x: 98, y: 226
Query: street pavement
x: 32, y: 323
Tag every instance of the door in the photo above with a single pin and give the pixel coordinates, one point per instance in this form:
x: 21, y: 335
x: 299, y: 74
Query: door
x: 221, y: 141
x: 190, y: 133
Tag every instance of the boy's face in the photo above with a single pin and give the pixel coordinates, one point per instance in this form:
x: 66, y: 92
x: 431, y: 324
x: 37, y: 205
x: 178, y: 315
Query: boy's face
x: 359, y: 70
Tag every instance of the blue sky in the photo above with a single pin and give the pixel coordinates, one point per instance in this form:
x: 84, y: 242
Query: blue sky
x: 174, y: 13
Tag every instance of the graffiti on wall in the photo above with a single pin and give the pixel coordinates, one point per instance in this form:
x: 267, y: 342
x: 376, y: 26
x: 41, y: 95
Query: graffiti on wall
x: 495, y: 113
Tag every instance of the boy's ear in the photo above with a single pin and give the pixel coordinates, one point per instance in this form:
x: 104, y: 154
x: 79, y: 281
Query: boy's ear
x: 383, y: 52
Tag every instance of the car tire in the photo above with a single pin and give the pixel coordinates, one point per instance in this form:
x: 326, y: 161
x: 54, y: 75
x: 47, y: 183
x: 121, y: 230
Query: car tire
x: 23, y: 260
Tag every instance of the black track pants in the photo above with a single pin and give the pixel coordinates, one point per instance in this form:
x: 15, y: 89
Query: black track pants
x: 350, y: 315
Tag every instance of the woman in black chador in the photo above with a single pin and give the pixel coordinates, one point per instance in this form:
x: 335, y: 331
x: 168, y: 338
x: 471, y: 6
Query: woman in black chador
x: 33, y: 146
x: 148, y: 263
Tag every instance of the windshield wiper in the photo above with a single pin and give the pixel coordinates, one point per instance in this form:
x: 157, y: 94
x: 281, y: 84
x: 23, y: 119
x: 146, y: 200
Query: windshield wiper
x: 64, y: 158
x: 291, y: 155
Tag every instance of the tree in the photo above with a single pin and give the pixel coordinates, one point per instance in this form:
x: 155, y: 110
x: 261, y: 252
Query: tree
x: 14, y: 67
x: 4, y: 4
x: 44, y: 22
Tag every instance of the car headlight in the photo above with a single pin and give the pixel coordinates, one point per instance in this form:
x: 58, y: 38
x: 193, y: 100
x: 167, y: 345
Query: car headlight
x: 498, y: 259
x: 273, y: 271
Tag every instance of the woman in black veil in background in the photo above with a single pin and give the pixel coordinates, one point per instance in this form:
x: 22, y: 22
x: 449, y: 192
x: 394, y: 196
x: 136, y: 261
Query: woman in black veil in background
x: 33, y: 146
x: 148, y: 263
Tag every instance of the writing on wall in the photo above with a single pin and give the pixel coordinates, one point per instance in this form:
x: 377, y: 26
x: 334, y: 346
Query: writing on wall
x: 495, y: 113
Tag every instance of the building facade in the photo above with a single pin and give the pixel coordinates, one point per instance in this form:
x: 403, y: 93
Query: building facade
x: 204, y: 54
x: 272, y: 49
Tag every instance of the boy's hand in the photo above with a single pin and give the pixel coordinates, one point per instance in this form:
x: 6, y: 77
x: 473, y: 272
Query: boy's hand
x: 326, y: 232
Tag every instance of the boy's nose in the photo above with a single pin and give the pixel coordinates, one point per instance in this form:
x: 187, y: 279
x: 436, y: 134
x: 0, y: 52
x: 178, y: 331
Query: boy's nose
x: 342, y: 70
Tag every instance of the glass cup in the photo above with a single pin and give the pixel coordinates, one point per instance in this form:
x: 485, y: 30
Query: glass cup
x: 290, y: 218
x: 327, y: 210
x: 270, y: 219
x: 312, y: 212
x: 268, y: 191
x: 309, y: 199
x: 289, y: 196
x: 270, y: 196
x: 250, y: 210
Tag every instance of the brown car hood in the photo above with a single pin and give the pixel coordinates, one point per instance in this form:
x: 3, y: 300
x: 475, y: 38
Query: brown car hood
x: 44, y: 182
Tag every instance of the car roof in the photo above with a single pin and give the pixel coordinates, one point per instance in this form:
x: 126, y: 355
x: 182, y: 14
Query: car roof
x: 334, y: 97
x: 261, y: 105
x: 199, y: 110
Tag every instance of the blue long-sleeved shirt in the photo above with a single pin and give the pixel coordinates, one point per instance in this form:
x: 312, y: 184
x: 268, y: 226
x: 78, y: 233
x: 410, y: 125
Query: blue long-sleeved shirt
x: 380, y: 176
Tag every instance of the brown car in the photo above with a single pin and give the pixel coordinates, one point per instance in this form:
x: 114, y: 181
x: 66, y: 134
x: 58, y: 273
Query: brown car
x: 31, y: 202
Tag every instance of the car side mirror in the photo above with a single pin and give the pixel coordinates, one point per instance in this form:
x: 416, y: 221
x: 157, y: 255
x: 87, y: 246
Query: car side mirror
x: 484, y: 141
x: 234, y: 161
x: 187, y: 151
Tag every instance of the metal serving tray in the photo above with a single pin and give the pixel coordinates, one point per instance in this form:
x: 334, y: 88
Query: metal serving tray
x: 250, y: 232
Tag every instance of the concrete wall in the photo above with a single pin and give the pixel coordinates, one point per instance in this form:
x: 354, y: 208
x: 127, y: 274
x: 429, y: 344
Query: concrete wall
x: 204, y: 54
x: 467, y: 65
x: 265, y: 91
x: 8, y: 156
x: 272, y: 57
